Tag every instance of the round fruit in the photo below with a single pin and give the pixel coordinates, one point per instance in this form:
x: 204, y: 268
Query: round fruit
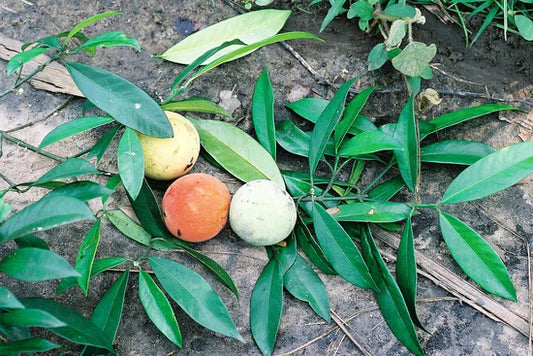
x: 169, y: 158
x: 195, y: 207
x: 262, y: 213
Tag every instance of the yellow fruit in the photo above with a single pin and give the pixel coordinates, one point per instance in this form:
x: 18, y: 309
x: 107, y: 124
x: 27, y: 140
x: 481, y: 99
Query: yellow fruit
x: 169, y: 158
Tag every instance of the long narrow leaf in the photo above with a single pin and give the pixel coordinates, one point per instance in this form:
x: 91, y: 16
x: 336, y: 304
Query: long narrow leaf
x: 491, y: 174
x: 455, y: 152
x: 377, y: 212
x: 369, y: 142
x: 406, y: 133
x: 121, y: 99
x: 406, y: 271
x: 101, y: 146
x: 475, y: 256
x: 237, y: 152
x: 36, y: 264
x: 8, y: 300
x: 303, y: 283
x: 389, y: 296
x: 266, y: 305
x: 312, y: 249
x: 194, y: 295
x: 459, y: 116
x: 158, y: 308
x: 30, y: 317
x: 326, y: 124
x: 79, y: 329
x: 249, y: 28
x: 86, y: 255
x: 350, y: 115
x: 196, y: 105
x: 263, y: 113
x: 74, y: 127
x: 220, y: 273
x: 72, y: 167
x: 80, y: 26
x: 341, y: 251
x: 108, y: 312
x: 34, y: 344
x: 82, y: 190
x: 130, y: 162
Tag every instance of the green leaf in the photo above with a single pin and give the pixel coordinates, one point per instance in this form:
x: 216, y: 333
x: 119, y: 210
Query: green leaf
x: 107, y: 313
x: 89, y: 21
x: 43, y: 215
x: 406, y: 133
x: 459, y: 116
x: 237, y: 152
x: 325, y: 125
x: 397, y: 32
x: 406, y: 271
x: 296, y: 141
x: 489, y: 17
x: 8, y: 300
x: 312, y: 249
x: 491, y: 174
x: 31, y: 241
x: 414, y: 58
x: 266, y: 305
x: 83, y: 190
x: 158, y: 308
x: 79, y: 329
x: 196, y: 105
x: 377, y: 57
x: 377, y: 212
x: 389, y: 296
x: 250, y: 28
x: 308, y: 108
x: 263, y: 113
x: 147, y: 210
x: 194, y: 295
x: 130, y: 162
x: 49, y: 41
x: 30, y: 317
x: 74, y: 127
x: 99, y: 266
x: 22, y: 58
x: 362, y: 9
x: 476, y: 257
x: 121, y: 99
x: 220, y: 274
x: 128, y: 227
x: 5, y: 210
x: 239, y: 52
x: 369, y: 142
x: 304, y: 284
x: 72, y: 167
x: 340, y: 250
x: 525, y: 26
x: 350, y: 116
x: 35, y: 264
x: 86, y: 255
x: 385, y: 191
x: 400, y: 11
x: 335, y: 9
x: 34, y: 344
x: 455, y: 152
x: 103, y: 143
x: 110, y: 39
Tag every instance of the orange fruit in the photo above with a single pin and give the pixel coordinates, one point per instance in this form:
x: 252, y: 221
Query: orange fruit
x: 195, y: 207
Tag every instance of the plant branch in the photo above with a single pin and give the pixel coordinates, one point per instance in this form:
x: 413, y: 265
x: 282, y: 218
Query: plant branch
x: 26, y: 145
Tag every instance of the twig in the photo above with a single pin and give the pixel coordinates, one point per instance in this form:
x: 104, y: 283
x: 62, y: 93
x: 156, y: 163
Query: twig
x: 342, y: 324
x: 317, y: 76
x: 52, y: 112
x: 26, y: 145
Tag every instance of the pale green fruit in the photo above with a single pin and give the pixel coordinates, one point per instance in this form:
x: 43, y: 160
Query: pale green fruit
x: 262, y: 213
x: 170, y: 158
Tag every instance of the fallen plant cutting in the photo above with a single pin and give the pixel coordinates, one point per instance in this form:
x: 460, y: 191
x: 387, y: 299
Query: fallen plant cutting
x: 333, y: 231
